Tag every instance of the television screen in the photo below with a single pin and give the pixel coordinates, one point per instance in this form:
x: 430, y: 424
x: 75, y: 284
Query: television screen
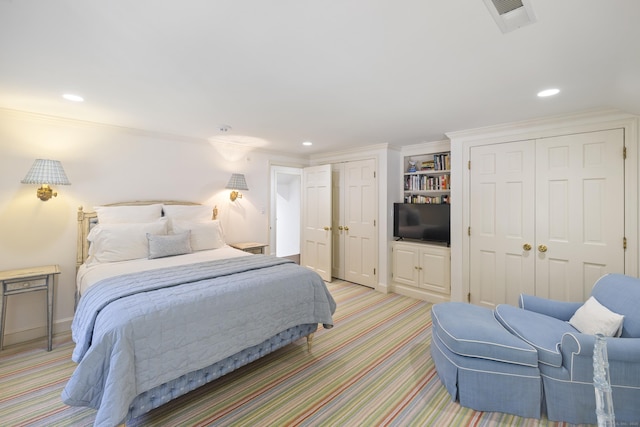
x: 428, y: 222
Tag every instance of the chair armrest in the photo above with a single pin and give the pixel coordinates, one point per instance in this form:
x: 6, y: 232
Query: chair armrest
x: 618, y: 349
x: 558, y: 309
x: 577, y: 357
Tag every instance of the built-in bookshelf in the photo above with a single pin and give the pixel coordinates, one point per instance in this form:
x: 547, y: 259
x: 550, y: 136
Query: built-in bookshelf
x: 427, y: 178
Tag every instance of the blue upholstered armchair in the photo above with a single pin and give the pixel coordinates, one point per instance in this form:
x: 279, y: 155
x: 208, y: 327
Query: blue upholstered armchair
x: 565, y: 355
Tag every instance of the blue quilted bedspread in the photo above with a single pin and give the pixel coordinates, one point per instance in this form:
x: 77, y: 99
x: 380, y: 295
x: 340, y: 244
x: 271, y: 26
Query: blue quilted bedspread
x: 140, y: 330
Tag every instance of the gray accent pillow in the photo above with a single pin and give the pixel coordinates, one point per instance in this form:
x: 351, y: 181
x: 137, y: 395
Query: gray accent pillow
x: 169, y: 244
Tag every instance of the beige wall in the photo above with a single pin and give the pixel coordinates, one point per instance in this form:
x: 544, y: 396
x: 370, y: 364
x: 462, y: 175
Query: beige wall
x: 107, y: 164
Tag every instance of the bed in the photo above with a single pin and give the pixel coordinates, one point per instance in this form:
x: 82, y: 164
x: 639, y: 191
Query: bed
x: 164, y: 306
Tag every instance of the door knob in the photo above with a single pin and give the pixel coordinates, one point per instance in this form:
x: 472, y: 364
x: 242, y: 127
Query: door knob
x: 340, y: 227
x: 327, y: 228
x: 542, y: 248
x: 346, y: 228
x: 526, y: 247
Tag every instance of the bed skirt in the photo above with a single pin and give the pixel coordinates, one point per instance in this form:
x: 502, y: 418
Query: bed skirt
x: 163, y: 393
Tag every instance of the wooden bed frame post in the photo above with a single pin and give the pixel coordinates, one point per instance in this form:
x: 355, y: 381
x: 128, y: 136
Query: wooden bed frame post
x: 309, y: 341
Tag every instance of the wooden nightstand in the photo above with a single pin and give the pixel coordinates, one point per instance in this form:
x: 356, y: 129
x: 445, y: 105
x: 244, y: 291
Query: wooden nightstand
x: 14, y: 282
x: 251, y: 247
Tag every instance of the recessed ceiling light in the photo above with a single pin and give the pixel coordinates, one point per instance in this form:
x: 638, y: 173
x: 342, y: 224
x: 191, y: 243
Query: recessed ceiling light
x: 72, y: 97
x: 548, y: 92
x: 307, y: 143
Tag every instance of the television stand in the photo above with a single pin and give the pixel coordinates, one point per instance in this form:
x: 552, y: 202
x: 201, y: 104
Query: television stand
x: 421, y: 270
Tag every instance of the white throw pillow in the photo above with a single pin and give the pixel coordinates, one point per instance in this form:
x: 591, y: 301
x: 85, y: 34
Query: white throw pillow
x: 121, y: 242
x: 197, y: 213
x: 594, y: 318
x: 204, y: 235
x: 128, y: 214
x: 164, y: 245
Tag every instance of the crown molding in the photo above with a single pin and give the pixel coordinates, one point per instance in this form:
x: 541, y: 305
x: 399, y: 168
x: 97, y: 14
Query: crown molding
x: 540, y: 127
x: 347, y: 154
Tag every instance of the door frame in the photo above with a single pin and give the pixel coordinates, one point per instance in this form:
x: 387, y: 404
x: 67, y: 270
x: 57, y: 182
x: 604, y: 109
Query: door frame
x: 274, y: 170
x: 591, y: 121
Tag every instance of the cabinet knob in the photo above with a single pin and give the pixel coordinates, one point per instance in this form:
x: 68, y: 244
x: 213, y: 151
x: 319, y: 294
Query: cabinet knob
x: 526, y: 247
x: 327, y: 228
x: 340, y: 227
x: 542, y: 248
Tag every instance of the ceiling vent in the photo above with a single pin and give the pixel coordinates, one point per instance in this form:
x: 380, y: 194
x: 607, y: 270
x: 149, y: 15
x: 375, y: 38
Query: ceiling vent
x: 511, y: 14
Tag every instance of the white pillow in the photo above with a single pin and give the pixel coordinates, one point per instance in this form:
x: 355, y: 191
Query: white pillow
x: 204, y: 235
x: 197, y: 213
x: 594, y: 318
x: 128, y: 214
x: 121, y: 242
x: 164, y: 245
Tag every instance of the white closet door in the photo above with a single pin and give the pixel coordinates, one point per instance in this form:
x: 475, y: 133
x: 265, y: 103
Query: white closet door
x: 502, y: 223
x: 579, y: 212
x: 546, y: 216
x: 360, y: 202
x: 316, y: 221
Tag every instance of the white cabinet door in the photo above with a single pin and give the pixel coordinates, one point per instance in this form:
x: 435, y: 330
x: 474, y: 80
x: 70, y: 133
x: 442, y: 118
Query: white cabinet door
x: 316, y: 220
x: 405, y: 261
x: 546, y: 216
x: 435, y: 269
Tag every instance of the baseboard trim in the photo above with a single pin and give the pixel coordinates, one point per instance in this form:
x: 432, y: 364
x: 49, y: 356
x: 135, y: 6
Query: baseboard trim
x: 18, y: 337
x: 420, y: 294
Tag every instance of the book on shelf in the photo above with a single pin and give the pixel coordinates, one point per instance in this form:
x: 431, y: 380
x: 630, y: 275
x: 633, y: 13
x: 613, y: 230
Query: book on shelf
x: 420, y: 199
x: 426, y: 182
x: 442, y: 161
x: 428, y: 165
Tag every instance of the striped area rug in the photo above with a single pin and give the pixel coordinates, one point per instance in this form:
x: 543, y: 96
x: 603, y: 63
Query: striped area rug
x: 373, y: 368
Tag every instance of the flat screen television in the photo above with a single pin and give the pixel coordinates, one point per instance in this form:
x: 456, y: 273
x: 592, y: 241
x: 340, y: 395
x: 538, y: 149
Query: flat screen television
x: 427, y: 222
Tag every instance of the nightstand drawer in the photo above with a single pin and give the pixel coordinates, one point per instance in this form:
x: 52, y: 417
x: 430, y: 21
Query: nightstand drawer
x: 28, y: 284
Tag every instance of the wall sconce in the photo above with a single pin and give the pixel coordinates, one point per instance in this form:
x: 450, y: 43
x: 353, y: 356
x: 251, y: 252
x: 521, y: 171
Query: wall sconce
x: 45, y: 173
x: 237, y: 182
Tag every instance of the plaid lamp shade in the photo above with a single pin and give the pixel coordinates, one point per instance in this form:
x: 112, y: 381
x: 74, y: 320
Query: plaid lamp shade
x: 46, y: 172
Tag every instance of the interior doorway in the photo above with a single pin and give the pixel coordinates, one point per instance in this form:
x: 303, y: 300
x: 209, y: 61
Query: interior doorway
x: 286, y: 208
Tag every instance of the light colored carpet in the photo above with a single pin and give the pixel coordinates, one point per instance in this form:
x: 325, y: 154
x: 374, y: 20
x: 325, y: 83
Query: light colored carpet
x: 372, y: 368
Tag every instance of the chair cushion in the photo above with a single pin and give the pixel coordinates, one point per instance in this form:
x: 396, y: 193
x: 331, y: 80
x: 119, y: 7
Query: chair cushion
x: 473, y: 331
x: 544, y: 333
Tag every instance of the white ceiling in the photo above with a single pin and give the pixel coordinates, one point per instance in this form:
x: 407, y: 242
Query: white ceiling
x: 340, y: 73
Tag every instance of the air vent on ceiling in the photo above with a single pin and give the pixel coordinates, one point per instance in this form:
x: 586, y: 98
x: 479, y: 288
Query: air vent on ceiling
x: 504, y: 6
x: 511, y: 14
